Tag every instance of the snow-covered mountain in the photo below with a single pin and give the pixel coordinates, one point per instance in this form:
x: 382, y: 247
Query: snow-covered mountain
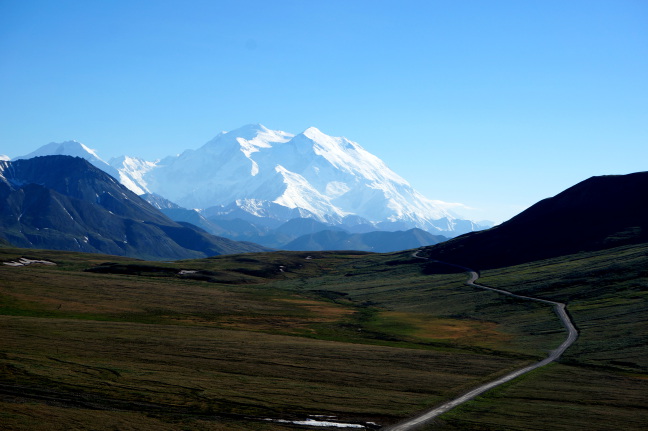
x: 64, y: 203
x: 77, y: 149
x: 274, y: 174
x: 68, y: 148
x: 131, y: 172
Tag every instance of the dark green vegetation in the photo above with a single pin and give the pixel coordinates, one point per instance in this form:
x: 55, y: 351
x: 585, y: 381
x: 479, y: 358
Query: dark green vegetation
x: 601, y: 382
x: 585, y: 247
x: 364, y: 337
x: 65, y: 203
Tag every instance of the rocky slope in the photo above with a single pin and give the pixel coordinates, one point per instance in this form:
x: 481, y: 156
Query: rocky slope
x: 65, y: 203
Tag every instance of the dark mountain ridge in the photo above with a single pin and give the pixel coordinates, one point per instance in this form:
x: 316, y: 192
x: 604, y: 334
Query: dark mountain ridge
x: 599, y: 213
x: 65, y: 203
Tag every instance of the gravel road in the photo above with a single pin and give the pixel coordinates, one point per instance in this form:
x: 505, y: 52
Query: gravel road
x: 559, y: 309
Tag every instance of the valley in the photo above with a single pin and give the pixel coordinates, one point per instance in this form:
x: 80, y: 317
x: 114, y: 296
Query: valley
x: 572, y: 334
x: 323, y: 216
x: 366, y: 338
x: 176, y: 328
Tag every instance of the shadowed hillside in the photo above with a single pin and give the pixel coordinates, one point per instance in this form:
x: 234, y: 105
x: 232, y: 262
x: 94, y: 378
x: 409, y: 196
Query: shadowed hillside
x: 65, y: 203
x: 598, y: 213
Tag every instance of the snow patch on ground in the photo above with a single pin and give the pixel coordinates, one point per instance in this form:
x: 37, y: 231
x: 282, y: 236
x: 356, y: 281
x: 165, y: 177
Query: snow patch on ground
x: 319, y: 423
x: 24, y: 262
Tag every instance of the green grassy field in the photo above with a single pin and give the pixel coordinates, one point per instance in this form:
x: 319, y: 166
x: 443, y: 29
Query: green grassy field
x: 362, y: 337
x: 601, y: 383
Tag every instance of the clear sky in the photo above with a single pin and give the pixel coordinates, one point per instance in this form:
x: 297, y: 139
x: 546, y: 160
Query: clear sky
x: 494, y: 104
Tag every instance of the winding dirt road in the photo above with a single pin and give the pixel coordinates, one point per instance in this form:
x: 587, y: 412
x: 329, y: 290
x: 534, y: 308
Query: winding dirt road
x: 559, y: 309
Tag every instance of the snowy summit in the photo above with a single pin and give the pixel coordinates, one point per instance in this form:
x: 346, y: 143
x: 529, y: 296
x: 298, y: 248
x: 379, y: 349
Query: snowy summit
x: 271, y: 173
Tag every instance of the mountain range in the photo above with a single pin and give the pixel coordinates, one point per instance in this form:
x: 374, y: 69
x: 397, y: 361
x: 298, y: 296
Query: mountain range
x: 270, y: 177
x: 297, y: 233
x: 65, y: 203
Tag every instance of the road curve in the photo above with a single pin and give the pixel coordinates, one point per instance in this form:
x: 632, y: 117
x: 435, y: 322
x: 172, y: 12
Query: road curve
x: 559, y: 309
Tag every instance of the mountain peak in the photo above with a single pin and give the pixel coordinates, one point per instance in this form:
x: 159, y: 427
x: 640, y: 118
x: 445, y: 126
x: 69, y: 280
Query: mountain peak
x: 72, y: 145
x: 322, y: 140
x: 68, y: 148
x: 249, y: 131
x: 313, y: 132
x: 77, y: 149
x: 249, y: 137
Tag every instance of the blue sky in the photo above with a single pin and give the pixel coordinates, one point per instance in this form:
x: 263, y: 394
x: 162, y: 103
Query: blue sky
x: 494, y: 104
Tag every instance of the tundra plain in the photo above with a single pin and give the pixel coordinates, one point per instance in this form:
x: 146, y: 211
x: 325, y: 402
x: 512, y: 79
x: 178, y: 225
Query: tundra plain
x: 234, y: 342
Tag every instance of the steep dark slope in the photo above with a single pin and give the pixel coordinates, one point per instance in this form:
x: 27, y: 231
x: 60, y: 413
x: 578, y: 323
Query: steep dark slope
x: 178, y: 214
x: 598, y: 213
x: 65, y: 203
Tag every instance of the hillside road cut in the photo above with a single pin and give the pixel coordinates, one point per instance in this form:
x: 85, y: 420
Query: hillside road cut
x: 559, y: 309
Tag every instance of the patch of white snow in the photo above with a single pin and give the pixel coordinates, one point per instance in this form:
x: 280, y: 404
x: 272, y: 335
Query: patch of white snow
x: 24, y: 262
